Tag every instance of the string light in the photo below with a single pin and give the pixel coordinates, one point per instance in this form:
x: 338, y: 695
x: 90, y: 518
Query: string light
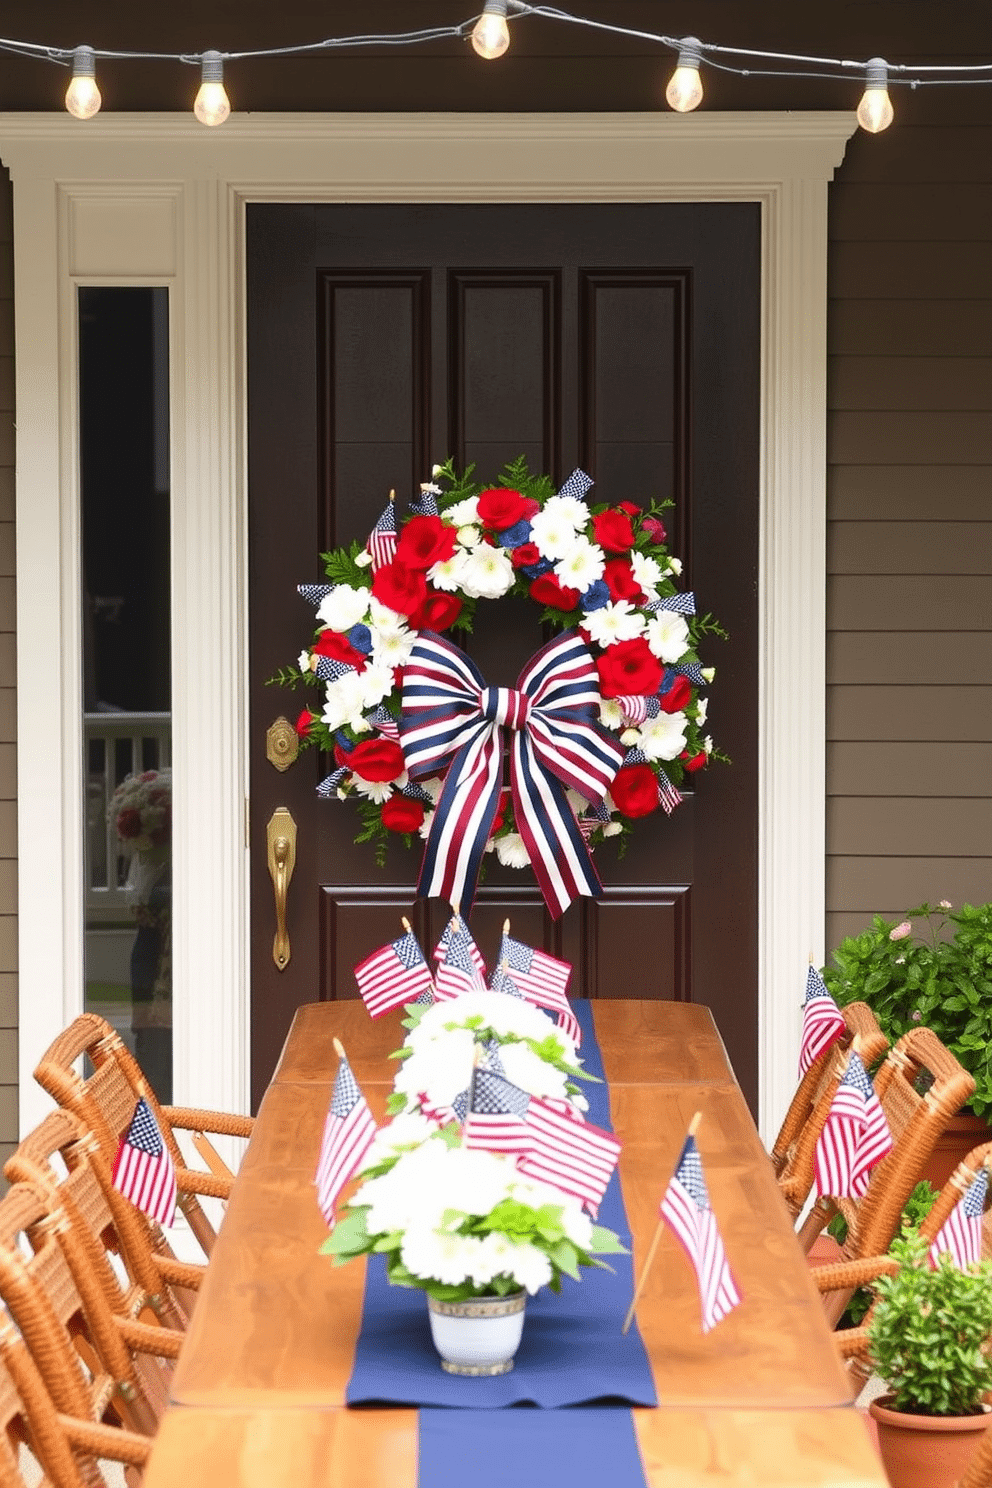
x: 875, y: 109
x: 489, y: 35
x: 685, y: 87
x: 82, y: 97
x: 212, y: 104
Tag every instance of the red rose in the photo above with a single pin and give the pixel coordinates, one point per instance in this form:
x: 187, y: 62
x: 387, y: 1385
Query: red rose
x: 377, y: 759
x: 619, y: 578
x: 425, y: 541
x: 547, y: 591
x: 503, y: 509
x: 437, y: 612
x: 696, y: 762
x: 525, y: 555
x: 332, y: 643
x: 304, y: 721
x: 635, y: 790
x: 400, y: 588
x: 628, y: 668
x: 654, y: 529
x: 629, y: 508
x: 500, y: 817
x: 129, y: 823
x: 400, y: 814
x: 614, y: 531
x: 678, y: 696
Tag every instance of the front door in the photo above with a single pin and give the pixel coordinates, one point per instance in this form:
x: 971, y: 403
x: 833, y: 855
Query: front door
x: 623, y: 339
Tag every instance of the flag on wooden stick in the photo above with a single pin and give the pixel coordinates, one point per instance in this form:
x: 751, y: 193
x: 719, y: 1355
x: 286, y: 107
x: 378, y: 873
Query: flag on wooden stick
x: 349, y: 1131
x: 143, y: 1168
x: 382, y: 539
x: 823, y: 1022
x: 961, y: 1232
x: 460, y: 966
x: 855, y: 1136
x: 541, y: 978
x: 686, y: 1207
x: 395, y: 974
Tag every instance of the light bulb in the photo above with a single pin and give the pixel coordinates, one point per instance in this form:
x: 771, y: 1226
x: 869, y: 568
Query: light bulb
x: 82, y: 97
x: 875, y: 109
x: 212, y: 104
x: 685, y: 86
x: 491, y: 34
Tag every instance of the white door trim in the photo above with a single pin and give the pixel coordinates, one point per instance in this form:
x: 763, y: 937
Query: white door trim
x: 157, y: 199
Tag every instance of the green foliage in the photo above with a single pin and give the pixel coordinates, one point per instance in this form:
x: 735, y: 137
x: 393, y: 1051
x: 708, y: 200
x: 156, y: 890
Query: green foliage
x: 942, y: 979
x: 341, y: 566
x: 928, y: 1330
x: 918, y: 1206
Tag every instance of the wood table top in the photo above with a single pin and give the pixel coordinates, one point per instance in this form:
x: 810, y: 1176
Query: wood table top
x: 272, y: 1338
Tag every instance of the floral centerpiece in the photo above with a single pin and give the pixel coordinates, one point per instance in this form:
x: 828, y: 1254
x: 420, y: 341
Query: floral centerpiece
x: 141, y: 812
x: 601, y: 570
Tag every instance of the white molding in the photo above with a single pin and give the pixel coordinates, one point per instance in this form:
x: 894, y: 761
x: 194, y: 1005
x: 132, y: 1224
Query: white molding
x: 782, y: 161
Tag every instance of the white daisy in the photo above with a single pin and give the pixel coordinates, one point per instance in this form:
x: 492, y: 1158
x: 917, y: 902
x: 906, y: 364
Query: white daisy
x: 582, y: 565
x: 487, y: 573
x: 448, y: 575
x: 377, y: 683
x: 344, y: 607
x: 469, y: 536
x: 344, y: 700
x: 511, y: 850
x: 663, y: 738
x: 553, y: 533
x: 569, y: 507
x: 382, y: 618
x: 611, y: 715
x: 378, y: 790
x: 647, y: 572
x: 614, y: 622
x: 668, y: 636
x: 463, y: 512
x: 391, y: 648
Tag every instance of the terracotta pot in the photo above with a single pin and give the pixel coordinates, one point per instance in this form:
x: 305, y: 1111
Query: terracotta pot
x: 925, y: 1451
x: 964, y: 1131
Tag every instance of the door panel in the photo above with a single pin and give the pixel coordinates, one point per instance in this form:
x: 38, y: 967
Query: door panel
x: 621, y: 338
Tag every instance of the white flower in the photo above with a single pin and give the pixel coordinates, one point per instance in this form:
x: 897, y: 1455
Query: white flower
x: 582, y: 565
x: 440, y: 1069
x: 571, y: 508
x: 663, y: 738
x: 303, y: 661
x: 424, y: 830
x: 382, y: 618
x: 377, y: 683
x: 344, y: 700
x: 709, y: 673
x: 668, y: 636
x: 512, y: 850
x: 530, y: 1267
x: 508, y: 1017
x: 611, y: 715
x: 344, y: 607
x: 468, y: 536
x: 612, y: 829
x: 448, y: 575
x: 435, y: 1255
x: 674, y: 565
x: 708, y: 744
x: 487, y: 573
x: 553, y: 531
x: 363, y: 559
x: 702, y: 708
x: 525, y: 1068
x: 433, y: 787
x: 647, y: 572
x: 463, y: 512
x: 392, y: 647
x: 404, y: 1132
x: 374, y: 790
x: 630, y: 737
x: 614, y: 622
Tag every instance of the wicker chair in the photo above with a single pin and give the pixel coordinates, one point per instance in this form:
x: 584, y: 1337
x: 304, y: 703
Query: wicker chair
x: 793, y: 1152
x: 105, y: 1101
x: 64, y: 1447
x: 87, y: 1355
x: 916, y: 1122
x: 158, y: 1285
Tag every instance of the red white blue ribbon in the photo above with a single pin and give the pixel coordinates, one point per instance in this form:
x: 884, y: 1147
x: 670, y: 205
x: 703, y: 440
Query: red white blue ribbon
x: 451, y: 722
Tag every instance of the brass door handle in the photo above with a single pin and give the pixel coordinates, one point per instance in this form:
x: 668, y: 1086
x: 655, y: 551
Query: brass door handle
x: 280, y: 839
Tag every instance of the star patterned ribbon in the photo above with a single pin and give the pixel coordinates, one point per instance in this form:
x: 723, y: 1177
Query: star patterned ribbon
x: 452, y: 721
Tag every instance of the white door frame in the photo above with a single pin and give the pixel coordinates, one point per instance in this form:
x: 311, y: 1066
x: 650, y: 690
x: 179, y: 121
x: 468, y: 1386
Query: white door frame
x: 157, y: 199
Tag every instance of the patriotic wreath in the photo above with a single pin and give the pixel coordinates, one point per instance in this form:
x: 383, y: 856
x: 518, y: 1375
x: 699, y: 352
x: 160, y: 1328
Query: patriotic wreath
x: 606, y: 720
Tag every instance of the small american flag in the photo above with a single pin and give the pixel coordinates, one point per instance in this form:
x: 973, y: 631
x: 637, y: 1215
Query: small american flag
x: 143, y: 1168
x: 961, y: 1232
x: 460, y: 967
x: 456, y: 922
x: 686, y: 1207
x: 494, y: 1120
x: 382, y: 539
x: 854, y: 1138
x: 348, y: 1134
x: 503, y: 982
x: 668, y: 796
x: 823, y: 1022
x: 395, y: 974
x: 542, y: 979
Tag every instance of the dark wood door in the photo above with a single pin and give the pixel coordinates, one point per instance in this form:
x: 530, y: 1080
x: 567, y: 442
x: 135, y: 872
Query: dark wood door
x: 622, y: 338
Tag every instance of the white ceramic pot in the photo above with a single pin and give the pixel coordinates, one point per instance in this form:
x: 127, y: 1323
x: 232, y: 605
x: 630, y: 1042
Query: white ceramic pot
x: 478, y: 1336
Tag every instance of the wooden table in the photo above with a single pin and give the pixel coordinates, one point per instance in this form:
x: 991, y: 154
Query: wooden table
x: 259, y: 1389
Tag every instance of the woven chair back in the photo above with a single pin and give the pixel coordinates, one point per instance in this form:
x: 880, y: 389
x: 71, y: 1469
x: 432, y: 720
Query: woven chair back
x: 28, y: 1418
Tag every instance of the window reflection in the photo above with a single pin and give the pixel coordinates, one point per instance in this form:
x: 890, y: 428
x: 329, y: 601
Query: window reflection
x: 124, y: 472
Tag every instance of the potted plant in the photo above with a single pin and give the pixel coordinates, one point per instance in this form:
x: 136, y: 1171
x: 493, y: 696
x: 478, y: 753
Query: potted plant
x: 470, y: 1231
x: 928, y: 1334
x: 933, y: 967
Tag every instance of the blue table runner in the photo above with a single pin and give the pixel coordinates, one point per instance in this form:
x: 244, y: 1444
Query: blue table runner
x: 594, y: 1447
x: 572, y: 1351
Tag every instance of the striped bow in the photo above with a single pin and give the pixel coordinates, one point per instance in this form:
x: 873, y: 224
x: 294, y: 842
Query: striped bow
x: 451, y: 720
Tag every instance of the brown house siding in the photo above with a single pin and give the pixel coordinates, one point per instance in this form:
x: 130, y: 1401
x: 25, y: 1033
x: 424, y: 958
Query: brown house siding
x: 8, y: 695
x: 909, y: 558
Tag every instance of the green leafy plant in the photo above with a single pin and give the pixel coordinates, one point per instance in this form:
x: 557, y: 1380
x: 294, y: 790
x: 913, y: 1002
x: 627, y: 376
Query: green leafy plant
x: 929, y: 1330
x: 918, y: 1206
x: 941, y: 978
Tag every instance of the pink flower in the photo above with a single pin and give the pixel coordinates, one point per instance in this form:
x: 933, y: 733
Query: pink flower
x: 901, y: 931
